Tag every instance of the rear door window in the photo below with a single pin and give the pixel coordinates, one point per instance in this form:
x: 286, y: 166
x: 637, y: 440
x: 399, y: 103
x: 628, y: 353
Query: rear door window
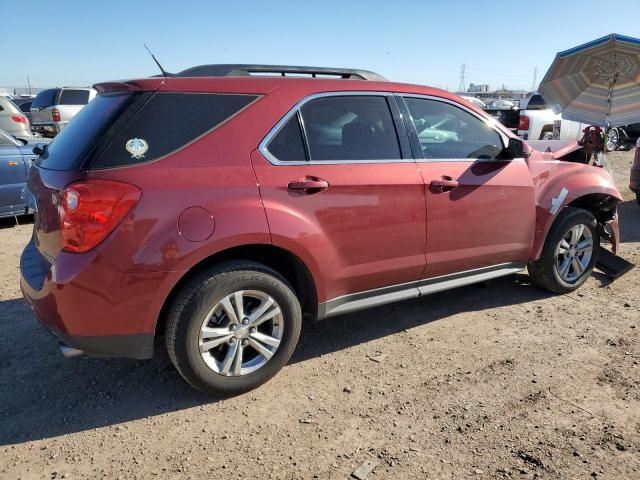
x: 74, y: 97
x: 288, y: 144
x: 356, y: 127
x: 45, y: 99
x: 166, y: 123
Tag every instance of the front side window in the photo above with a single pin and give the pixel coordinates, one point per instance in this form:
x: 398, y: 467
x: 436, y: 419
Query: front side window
x: 449, y: 132
x: 357, y: 127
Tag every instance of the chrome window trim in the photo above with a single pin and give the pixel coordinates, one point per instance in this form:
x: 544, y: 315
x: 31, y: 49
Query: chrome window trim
x: 262, y: 147
x: 490, y: 122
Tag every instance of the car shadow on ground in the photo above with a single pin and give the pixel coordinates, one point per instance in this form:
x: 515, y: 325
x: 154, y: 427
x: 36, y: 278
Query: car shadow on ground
x: 42, y: 395
x: 10, y: 222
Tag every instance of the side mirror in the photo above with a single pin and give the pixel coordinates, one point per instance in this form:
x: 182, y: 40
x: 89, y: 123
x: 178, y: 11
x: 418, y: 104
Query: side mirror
x: 515, y: 149
x: 39, y: 149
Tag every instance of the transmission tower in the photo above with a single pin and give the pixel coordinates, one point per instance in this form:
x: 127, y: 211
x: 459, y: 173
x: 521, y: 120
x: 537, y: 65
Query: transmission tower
x: 463, y: 86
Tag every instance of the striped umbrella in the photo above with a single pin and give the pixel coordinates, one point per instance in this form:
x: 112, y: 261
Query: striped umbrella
x: 597, y: 83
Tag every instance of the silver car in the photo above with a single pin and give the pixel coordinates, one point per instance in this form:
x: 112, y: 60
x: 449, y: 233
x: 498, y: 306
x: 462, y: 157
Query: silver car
x: 52, y: 109
x: 12, y: 120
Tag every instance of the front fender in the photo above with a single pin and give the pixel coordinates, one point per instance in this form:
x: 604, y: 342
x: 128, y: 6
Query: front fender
x: 558, y: 185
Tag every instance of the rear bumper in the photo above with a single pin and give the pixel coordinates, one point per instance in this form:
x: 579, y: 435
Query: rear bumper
x: 90, y: 305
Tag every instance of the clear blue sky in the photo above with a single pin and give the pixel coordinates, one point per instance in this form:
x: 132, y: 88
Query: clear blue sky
x: 70, y: 42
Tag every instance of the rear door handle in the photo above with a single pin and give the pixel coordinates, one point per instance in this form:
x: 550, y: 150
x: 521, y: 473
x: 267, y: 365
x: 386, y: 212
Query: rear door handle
x: 308, y: 185
x: 444, y: 183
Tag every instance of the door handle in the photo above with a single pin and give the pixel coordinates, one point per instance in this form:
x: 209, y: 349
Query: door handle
x: 444, y: 184
x: 308, y: 185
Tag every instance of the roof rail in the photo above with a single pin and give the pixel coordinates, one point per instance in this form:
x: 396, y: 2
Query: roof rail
x: 243, y: 70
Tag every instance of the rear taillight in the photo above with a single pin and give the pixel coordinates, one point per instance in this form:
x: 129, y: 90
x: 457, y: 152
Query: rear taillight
x: 19, y: 119
x: 55, y: 115
x: 90, y: 210
x: 524, y: 123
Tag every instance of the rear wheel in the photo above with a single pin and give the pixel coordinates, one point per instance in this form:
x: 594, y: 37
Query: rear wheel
x: 233, y: 327
x: 569, y: 253
x: 546, y: 135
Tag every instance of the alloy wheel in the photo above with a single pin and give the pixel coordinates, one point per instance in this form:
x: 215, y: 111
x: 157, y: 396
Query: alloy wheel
x: 574, y: 252
x: 612, y: 140
x: 241, y: 333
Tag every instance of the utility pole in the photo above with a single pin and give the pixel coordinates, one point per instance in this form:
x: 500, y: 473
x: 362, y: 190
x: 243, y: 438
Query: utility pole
x: 534, y: 85
x: 462, y: 87
x: 29, y: 84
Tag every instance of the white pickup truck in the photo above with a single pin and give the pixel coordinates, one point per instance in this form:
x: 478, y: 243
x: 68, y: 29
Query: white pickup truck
x: 538, y: 122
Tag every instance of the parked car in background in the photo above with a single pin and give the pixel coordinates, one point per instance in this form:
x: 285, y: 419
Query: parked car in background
x: 539, y: 122
x: 52, y: 109
x: 634, y: 181
x: 15, y: 159
x: 12, y: 120
x: 502, y: 104
x: 24, y: 104
x: 277, y: 199
x: 475, y: 101
x: 623, y: 138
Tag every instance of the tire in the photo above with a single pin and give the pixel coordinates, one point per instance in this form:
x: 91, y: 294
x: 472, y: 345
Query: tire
x: 546, y: 135
x: 547, y: 271
x: 200, y: 317
x: 613, y: 140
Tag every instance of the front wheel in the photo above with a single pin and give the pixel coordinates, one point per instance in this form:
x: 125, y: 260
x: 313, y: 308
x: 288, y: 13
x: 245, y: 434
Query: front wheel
x: 233, y: 327
x: 569, y: 253
x: 613, y: 140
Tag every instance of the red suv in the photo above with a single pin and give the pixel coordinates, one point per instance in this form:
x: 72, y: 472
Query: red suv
x: 220, y: 209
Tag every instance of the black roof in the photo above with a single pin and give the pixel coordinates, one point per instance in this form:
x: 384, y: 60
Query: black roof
x: 243, y: 70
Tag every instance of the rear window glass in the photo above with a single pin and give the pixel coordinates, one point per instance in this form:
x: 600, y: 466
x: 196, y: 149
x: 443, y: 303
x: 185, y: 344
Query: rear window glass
x: 46, y: 98
x: 74, y: 97
x: 79, y: 137
x: 536, y: 103
x: 167, y: 122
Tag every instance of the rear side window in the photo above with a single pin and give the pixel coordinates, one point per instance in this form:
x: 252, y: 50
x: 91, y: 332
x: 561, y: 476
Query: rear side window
x: 288, y: 144
x: 45, y: 99
x: 74, y: 97
x: 355, y: 127
x: 167, y: 122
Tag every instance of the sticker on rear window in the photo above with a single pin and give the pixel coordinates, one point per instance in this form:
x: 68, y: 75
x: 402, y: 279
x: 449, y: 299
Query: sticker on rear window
x: 137, y: 147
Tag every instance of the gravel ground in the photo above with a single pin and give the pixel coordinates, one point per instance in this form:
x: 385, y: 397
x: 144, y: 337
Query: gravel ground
x: 493, y: 381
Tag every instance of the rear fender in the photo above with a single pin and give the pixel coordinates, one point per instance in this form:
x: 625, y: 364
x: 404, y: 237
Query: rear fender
x: 584, y: 186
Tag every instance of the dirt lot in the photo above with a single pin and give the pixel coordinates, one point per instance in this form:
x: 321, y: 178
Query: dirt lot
x: 493, y: 381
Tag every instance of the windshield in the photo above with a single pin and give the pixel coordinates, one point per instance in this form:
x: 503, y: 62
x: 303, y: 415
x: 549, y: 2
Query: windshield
x: 46, y: 98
